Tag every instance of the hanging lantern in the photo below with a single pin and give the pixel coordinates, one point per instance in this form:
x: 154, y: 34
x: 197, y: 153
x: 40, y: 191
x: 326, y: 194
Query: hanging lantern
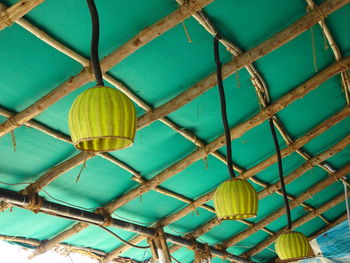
x: 235, y: 199
x: 102, y: 119
x: 292, y: 245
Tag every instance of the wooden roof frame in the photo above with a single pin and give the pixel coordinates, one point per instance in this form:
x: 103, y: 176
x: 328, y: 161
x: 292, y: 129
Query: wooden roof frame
x: 316, y: 15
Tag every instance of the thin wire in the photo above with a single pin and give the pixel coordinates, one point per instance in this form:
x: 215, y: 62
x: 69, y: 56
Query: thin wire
x: 123, y: 240
x: 131, y: 220
x: 95, y: 62
x: 223, y: 107
x: 280, y: 172
x: 67, y: 203
x: 106, y: 229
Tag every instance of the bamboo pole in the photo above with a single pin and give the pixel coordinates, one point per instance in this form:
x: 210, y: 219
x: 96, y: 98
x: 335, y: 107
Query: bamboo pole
x: 269, y: 190
x: 37, y: 243
x: 335, y: 201
x: 202, y: 200
x: 85, y: 63
x: 65, y: 138
x: 97, y: 219
x: 241, y: 61
x: 138, y: 41
x: 272, y: 188
x: 16, y: 11
x: 267, y: 220
x: 52, y: 174
x: 311, y: 163
x: 152, y: 32
x: 236, y: 132
x: 336, y: 51
x: 257, y: 80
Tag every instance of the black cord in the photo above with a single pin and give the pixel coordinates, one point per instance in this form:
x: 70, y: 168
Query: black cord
x: 123, y: 240
x: 95, y: 62
x: 280, y: 172
x: 223, y: 107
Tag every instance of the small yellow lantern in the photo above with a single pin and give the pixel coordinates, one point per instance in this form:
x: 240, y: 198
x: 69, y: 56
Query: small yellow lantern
x: 235, y: 199
x: 102, y: 119
x: 292, y: 245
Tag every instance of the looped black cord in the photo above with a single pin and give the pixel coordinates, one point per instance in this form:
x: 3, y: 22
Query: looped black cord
x: 223, y: 107
x: 280, y: 172
x: 95, y: 62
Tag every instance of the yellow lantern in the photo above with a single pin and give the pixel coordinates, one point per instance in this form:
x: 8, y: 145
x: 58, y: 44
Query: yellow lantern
x: 292, y: 245
x: 102, y: 119
x: 235, y: 199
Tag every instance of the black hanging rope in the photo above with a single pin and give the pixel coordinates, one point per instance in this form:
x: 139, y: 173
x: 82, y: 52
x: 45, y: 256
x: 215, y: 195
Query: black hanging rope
x: 280, y: 172
x: 95, y: 62
x: 223, y: 107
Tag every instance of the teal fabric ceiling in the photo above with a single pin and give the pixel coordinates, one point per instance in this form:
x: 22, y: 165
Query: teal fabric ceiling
x: 157, y: 73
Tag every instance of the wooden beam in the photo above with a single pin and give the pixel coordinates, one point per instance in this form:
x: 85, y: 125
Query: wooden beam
x: 279, y: 212
x: 299, y: 222
x: 345, y: 78
x: 37, y: 243
x: 16, y: 11
x: 243, y: 60
x: 52, y: 174
x: 138, y: 41
x: 97, y: 219
x: 236, y: 132
x: 273, y: 188
x: 202, y: 200
x: 306, y: 167
x: 147, y: 35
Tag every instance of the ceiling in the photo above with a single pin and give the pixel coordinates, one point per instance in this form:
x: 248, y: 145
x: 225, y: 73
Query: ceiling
x: 170, y: 73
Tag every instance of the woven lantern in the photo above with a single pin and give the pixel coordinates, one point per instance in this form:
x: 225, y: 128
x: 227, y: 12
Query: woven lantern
x: 102, y: 119
x: 292, y: 245
x: 235, y: 199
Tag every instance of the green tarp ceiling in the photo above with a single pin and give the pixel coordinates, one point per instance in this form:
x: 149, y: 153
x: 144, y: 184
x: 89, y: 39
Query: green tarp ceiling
x: 168, y: 64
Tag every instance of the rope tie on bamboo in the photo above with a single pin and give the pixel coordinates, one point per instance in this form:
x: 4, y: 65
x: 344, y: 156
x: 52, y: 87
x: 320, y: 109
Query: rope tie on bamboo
x: 269, y: 190
x: 80, y: 226
x: 108, y: 220
x: 149, y: 116
x: 317, y: 11
x: 35, y: 202
x: 5, y: 18
x: 13, y: 121
x: 336, y: 179
x: 267, y: 113
x: 194, y: 208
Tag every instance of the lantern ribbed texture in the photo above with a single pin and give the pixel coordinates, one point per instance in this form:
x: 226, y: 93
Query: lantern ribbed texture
x: 235, y: 199
x: 292, y: 245
x: 102, y: 119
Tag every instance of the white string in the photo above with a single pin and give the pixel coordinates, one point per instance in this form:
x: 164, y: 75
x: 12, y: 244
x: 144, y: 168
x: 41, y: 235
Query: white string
x: 347, y: 202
